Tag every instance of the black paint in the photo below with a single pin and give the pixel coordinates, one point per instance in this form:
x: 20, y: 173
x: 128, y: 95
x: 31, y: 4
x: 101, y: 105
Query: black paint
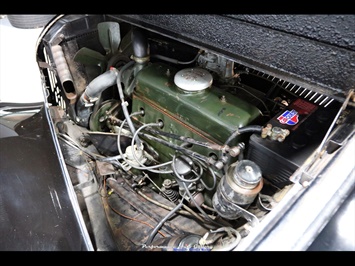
x: 36, y: 212
x: 311, y: 51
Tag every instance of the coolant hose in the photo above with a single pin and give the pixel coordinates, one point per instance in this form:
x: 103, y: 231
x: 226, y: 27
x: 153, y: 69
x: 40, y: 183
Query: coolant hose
x: 100, y: 83
x: 92, y: 93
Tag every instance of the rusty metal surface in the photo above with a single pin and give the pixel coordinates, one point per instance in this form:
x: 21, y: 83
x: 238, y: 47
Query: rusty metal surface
x: 132, y: 217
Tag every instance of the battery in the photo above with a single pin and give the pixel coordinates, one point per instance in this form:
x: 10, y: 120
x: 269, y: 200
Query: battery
x: 307, y: 124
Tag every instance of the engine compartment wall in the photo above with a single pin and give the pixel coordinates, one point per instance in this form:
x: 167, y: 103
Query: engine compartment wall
x: 155, y: 93
x: 315, y: 61
x: 323, y: 28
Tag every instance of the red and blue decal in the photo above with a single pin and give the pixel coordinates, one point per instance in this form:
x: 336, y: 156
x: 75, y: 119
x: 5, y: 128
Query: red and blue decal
x: 289, y: 117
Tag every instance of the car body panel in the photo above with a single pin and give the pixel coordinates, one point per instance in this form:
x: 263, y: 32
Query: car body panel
x: 38, y: 212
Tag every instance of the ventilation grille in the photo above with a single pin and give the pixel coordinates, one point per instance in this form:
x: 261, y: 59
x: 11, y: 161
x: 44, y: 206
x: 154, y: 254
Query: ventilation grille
x: 53, y: 88
x: 307, y: 94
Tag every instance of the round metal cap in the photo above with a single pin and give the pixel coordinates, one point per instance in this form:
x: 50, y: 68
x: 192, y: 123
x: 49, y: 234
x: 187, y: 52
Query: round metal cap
x: 183, y: 165
x: 193, y: 79
x: 247, y: 174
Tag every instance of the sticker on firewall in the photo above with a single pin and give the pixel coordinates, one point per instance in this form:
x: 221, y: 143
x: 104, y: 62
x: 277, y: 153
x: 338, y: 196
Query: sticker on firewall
x: 289, y: 117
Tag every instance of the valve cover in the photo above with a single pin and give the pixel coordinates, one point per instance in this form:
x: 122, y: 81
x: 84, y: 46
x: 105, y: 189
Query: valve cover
x: 208, y: 114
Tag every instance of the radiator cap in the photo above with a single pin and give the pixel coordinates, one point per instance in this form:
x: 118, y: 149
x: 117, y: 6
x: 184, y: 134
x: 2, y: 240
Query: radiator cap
x: 193, y: 79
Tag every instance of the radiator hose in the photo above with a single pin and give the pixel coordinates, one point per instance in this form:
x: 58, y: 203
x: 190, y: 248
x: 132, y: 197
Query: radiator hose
x: 91, y: 94
x: 111, y: 77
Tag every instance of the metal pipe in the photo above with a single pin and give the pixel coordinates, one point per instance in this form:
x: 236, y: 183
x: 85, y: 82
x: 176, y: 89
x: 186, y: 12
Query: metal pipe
x: 64, y: 74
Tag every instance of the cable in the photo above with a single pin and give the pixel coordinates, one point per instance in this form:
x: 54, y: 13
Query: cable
x: 119, y: 156
x: 156, y: 229
x: 178, y: 176
x: 199, y: 176
x: 175, y: 61
x: 123, y: 102
x: 209, y: 145
x: 149, y: 168
x: 198, y: 207
x: 263, y: 206
x: 137, y: 160
x: 241, y: 130
x: 214, y: 180
x: 177, y: 147
x: 245, y: 90
x: 68, y: 140
x: 134, y: 219
x: 135, y: 136
x: 189, y: 212
x: 232, y: 233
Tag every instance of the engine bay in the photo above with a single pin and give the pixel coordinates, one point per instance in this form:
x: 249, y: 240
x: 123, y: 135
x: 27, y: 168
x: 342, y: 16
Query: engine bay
x: 175, y: 147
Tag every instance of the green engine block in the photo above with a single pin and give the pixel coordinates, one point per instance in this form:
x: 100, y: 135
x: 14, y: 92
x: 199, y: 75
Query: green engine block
x: 210, y: 115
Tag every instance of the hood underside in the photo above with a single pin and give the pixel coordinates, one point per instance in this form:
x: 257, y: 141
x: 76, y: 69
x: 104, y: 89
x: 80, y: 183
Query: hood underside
x: 316, y: 52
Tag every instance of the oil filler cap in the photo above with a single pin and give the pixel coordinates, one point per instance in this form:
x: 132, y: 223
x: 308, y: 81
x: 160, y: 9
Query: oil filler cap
x: 193, y: 79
